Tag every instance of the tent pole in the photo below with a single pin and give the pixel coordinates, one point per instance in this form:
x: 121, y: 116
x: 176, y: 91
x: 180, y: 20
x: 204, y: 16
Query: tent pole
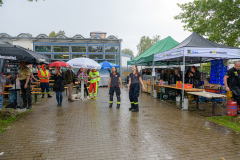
x: 142, y: 79
x: 152, y: 88
x: 183, y: 75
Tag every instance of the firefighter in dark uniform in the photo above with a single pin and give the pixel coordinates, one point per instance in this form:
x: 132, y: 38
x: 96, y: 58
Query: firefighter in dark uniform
x: 114, y: 86
x: 134, y: 87
x: 232, y: 81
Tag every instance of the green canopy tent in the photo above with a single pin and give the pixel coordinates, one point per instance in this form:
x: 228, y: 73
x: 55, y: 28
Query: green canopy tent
x: 147, y: 57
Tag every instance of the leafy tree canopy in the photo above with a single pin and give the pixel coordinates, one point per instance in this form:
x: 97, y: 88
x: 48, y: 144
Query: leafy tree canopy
x: 53, y: 34
x: 218, y: 20
x: 146, y: 42
x: 127, y: 51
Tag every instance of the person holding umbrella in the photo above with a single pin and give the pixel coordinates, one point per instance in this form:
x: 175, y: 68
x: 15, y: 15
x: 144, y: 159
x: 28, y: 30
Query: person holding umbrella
x: 114, y: 86
x: 58, y: 85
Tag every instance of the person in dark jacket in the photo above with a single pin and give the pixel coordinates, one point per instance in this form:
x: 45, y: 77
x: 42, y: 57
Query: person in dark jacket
x: 174, y: 77
x: 163, y: 76
x: 58, y: 85
x: 195, y: 77
x: 70, y: 81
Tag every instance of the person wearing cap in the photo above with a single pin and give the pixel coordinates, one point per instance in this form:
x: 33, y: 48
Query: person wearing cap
x: 44, y: 75
x: 24, y: 77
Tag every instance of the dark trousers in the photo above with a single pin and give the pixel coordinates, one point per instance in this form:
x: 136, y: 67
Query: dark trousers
x: 111, y: 93
x: 236, y: 93
x: 85, y: 87
x: 45, y: 86
x: 59, y: 97
x: 133, y: 95
x: 26, y: 93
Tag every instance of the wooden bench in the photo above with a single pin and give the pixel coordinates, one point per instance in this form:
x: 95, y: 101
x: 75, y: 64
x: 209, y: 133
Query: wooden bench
x: 35, y: 95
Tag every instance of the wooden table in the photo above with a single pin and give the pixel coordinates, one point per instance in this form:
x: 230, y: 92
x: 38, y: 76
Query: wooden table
x: 213, y: 96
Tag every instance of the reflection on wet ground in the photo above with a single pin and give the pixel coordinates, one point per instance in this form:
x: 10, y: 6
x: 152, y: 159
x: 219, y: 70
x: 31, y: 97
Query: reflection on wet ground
x: 90, y: 130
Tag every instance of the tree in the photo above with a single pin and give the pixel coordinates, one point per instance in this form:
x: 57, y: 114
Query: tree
x: 1, y: 2
x: 29, y: 34
x: 145, y: 43
x: 217, y: 20
x: 53, y: 34
x: 127, y: 51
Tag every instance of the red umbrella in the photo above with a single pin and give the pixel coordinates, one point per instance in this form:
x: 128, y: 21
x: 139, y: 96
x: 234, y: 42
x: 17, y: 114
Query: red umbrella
x: 58, y: 64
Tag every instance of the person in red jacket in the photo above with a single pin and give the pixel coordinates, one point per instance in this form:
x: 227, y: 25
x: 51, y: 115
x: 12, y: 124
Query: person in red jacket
x: 44, y: 75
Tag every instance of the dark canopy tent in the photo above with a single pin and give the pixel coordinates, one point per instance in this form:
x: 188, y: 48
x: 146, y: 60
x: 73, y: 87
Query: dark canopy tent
x: 16, y: 53
x: 196, y: 49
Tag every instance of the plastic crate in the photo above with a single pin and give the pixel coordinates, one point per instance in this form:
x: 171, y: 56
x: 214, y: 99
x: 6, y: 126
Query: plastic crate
x: 214, y: 74
x: 212, y: 81
x: 213, y: 78
x: 213, y: 70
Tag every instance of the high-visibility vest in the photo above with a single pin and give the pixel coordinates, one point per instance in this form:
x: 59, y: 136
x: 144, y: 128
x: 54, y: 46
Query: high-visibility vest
x: 95, y: 77
x: 43, y: 74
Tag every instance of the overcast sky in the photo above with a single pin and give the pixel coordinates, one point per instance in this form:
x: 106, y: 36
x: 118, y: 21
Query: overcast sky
x: 129, y: 20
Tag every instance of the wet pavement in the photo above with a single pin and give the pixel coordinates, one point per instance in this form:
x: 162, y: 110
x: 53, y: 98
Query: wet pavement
x: 90, y: 130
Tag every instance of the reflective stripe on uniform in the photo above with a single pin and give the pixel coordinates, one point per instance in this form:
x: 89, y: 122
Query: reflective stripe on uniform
x: 132, y: 102
x: 118, y: 102
x: 136, y: 103
x: 110, y: 101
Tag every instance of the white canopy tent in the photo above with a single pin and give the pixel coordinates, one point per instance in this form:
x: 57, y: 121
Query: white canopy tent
x: 196, y: 49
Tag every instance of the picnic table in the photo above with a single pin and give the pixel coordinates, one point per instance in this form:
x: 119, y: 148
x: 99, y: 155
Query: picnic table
x: 213, y: 96
x: 175, y: 88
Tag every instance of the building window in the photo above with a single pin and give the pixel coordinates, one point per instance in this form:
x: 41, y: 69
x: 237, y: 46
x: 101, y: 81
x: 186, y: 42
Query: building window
x: 80, y: 49
x: 95, y: 48
x: 114, y: 61
x: 95, y: 56
x: 111, y: 56
x: 43, y: 49
x: 60, y: 48
x: 99, y: 61
x: 61, y: 56
x: 79, y: 55
x: 111, y: 49
x: 48, y: 55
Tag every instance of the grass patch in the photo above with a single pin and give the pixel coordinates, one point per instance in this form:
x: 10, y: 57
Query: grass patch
x: 226, y: 121
x: 5, y: 123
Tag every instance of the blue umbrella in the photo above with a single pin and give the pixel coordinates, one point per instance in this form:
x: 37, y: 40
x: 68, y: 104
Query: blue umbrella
x: 107, y: 65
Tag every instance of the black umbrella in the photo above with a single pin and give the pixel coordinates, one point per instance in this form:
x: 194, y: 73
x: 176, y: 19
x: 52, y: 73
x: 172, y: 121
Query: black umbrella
x: 16, y: 53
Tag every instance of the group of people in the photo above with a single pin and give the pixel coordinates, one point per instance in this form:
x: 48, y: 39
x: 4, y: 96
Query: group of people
x: 192, y: 76
x: 68, y: 77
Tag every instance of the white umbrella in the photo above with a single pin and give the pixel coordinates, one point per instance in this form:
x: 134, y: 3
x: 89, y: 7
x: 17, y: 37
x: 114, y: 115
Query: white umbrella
x: 84, y: 63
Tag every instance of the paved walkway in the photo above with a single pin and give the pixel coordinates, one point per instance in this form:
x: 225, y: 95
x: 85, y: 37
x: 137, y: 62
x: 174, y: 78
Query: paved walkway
x: 90, y: 130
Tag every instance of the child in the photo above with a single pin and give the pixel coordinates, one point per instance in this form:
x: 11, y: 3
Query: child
x: 85, y: 76
x: 134, y: 87
x: 114, y: 86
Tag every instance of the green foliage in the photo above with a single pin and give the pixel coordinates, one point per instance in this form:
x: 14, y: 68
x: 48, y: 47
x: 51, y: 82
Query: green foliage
x: 215, y: 19
x: 226, y: 121
x: 5, y: 124
x: 53, y: 34
x: 145, y: 43
x: 1, y: 2
x: 29, y: 34
x: 127, y: 51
